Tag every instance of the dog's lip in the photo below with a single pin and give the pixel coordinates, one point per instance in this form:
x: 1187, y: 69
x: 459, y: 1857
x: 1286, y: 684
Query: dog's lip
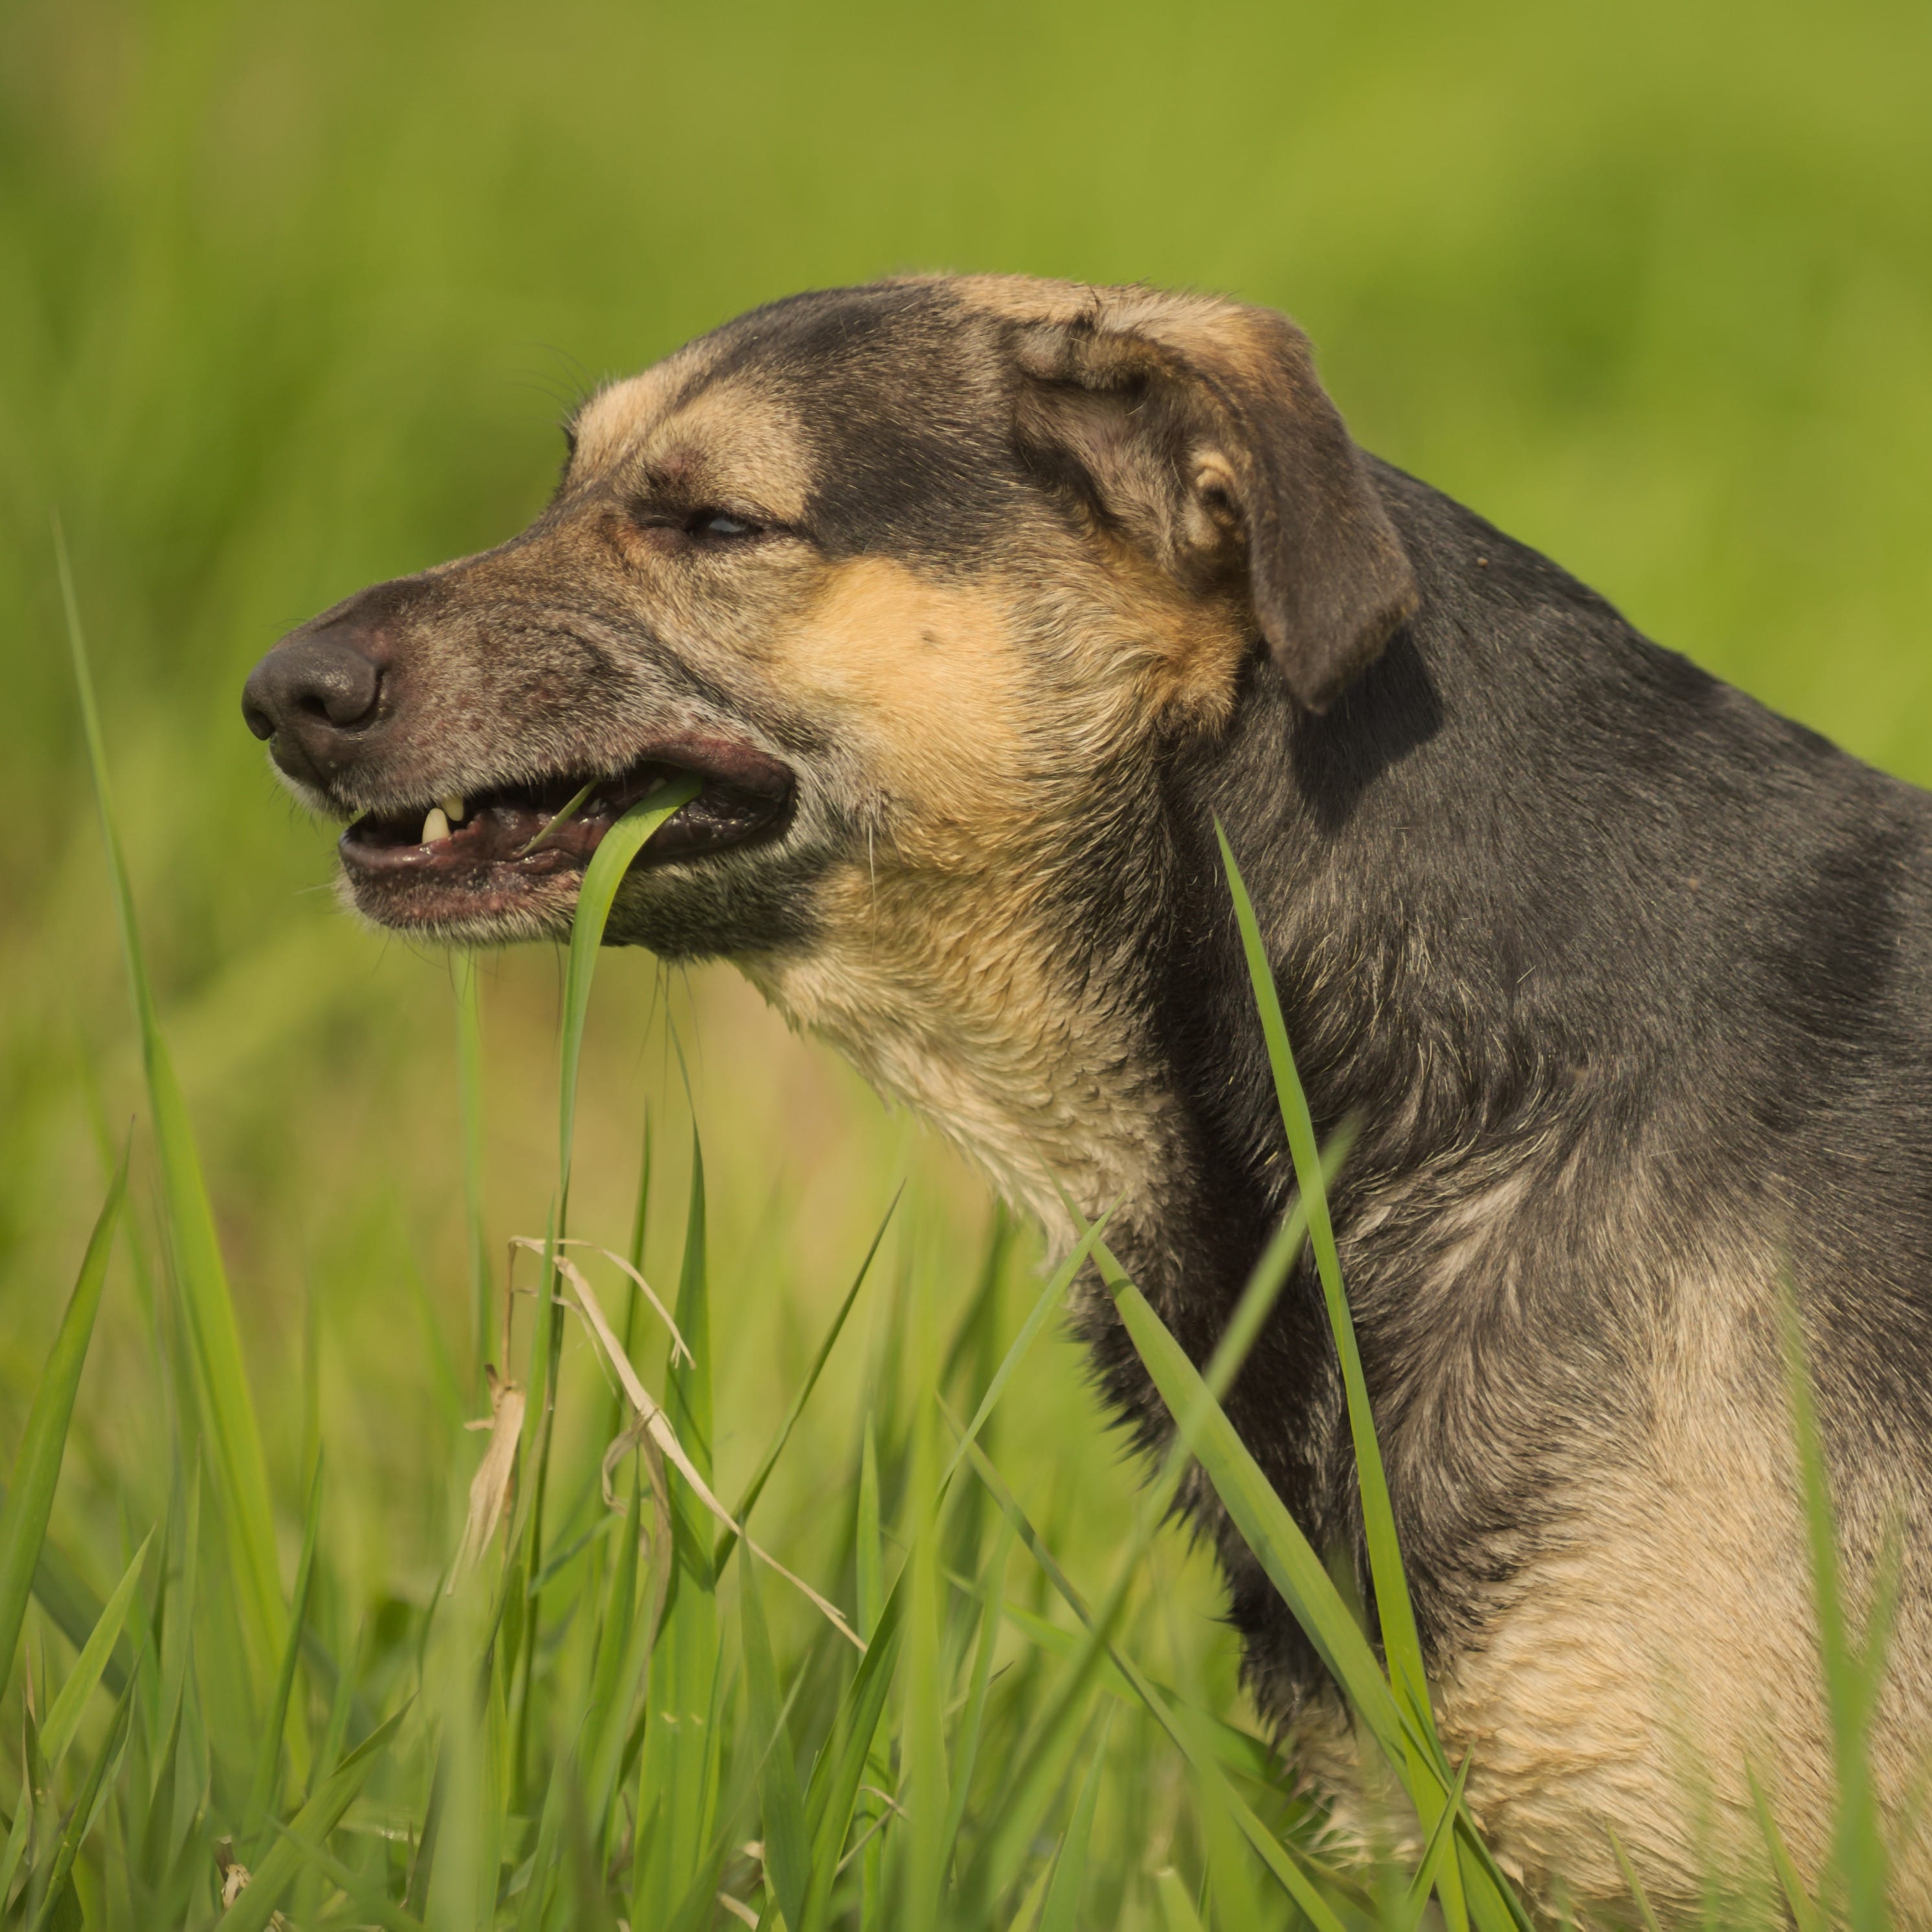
x: 746, y: 795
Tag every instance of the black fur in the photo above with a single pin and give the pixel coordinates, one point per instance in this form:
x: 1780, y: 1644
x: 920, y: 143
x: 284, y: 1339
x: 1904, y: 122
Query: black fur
x: 1536, y: 891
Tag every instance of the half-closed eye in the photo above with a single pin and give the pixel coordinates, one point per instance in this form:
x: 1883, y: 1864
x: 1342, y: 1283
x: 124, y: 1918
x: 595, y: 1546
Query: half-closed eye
x: 718, y: 523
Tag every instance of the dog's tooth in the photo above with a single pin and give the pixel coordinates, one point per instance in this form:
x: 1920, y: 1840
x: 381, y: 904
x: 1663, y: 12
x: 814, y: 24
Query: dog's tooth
x: 453, y: 807
x: 435, y: 827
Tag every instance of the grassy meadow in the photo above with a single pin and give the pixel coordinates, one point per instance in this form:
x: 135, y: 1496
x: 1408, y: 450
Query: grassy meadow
x: 291, y: 299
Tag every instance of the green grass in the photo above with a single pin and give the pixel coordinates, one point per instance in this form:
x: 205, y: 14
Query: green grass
x: 290, y: 298
x: 571, y: 1728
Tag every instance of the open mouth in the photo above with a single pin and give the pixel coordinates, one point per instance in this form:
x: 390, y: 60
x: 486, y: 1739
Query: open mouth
x: 495, y: 846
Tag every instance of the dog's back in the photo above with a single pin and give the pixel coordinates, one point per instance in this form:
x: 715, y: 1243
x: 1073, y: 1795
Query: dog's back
x: 1629, y: 982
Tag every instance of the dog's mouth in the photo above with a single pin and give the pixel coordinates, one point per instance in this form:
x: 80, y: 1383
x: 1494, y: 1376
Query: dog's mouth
x: 466, y: 855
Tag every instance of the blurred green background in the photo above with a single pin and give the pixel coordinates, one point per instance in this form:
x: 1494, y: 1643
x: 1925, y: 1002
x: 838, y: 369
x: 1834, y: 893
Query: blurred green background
x: 292, y: 296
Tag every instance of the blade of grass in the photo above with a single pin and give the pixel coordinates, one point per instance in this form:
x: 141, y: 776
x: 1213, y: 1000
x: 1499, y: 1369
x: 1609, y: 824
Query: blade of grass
x: 364, y: 1896
x: 1289, y: 1558
x: 1033, y: 1783
x: 601, y: 878
x: 543, y: 1875
x: 559, y: 819
x: 1805, y: 1915
x: 727, y: 1541
x: 1175, y: 1904
x: 25, y: 1802
x: 869, y: 1558
x: 966, y: 1738
x: 469, y: 1115
x: 833, y: 1793
x: 1033, y: 1900
x: 787, y: 1853
x: 1312, y: 1595
x: 333, y: 1795
x: 1859, y: 1856
x: 64, y: 1718
x: 61, y: 1591
x: 623, y: 1657
x: 679, y: 1766
x: 1402, y: 1642
x: 599, y: 890
x: 1226, y: 1860
x: 162, y: 1844
x: 923, y: 1737
x: 30, y: 1495
x: 1060, y: 1912
x: 221, y: 1379
x: 688, y: 1386
x: 1638, y: 1896
x: 80, y: 1820
x: 1436, y: 1856
x: 1241, y: 1751
x: 1275, y: 1856
x: 262, y: 1796
x: 653, y: 1417
x: 633, y: 1256
x: 1050, y: 1298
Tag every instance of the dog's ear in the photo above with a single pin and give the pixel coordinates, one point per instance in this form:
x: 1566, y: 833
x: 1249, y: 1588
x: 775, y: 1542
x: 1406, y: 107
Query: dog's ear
x: 1198, y: 429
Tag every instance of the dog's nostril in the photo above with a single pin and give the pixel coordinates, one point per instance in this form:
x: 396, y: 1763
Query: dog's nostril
x: 320, y: 681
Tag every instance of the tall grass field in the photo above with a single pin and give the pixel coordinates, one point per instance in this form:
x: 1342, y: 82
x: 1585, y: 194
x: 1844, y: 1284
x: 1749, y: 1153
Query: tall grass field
x: 520, y: 1440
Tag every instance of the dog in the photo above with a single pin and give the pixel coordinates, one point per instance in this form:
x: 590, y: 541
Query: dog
x: 976, y: 603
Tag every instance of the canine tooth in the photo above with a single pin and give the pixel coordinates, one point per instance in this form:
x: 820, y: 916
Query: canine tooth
x: 435, y: 825
x: 452, y: 808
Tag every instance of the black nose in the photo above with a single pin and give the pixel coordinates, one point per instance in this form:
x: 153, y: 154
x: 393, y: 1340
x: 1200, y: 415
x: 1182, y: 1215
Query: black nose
x: 314, y: 697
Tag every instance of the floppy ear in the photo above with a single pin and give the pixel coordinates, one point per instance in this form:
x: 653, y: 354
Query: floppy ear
x: 1199, y: 429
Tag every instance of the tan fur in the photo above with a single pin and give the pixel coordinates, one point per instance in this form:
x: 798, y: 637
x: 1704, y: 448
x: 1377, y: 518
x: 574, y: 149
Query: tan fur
x: 737, y: 440
x: 611, y: 421
x: 1662, y: 1654
x: 955, y: 1012
x: 936, y: 973
x: 925, y: 680
x: 1210, y: 322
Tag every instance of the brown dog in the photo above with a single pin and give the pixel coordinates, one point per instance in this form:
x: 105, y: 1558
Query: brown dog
x: 975, y: 604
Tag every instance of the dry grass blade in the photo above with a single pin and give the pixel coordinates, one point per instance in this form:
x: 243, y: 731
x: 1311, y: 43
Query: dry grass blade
x: 680, y: 1349
x: 767, y: 1462
x: 652, y: 1417
x: 489, y: 1487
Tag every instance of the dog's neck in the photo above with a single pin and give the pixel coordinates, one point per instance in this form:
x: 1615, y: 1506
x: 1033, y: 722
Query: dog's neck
x: 969, y: 1006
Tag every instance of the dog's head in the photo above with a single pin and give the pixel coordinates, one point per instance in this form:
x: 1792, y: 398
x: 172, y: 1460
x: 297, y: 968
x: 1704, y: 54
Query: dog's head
x: 912, y: 576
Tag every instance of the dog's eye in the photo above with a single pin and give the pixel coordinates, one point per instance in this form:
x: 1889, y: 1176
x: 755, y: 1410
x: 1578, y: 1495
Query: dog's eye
x: 718, y: 523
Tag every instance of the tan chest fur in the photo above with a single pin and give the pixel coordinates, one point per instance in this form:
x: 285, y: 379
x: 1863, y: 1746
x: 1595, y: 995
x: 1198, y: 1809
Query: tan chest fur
x: 964, y: 1021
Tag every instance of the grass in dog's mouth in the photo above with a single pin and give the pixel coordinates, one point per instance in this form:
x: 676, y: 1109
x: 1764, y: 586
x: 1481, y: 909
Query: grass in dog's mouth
x: 554, y: 825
